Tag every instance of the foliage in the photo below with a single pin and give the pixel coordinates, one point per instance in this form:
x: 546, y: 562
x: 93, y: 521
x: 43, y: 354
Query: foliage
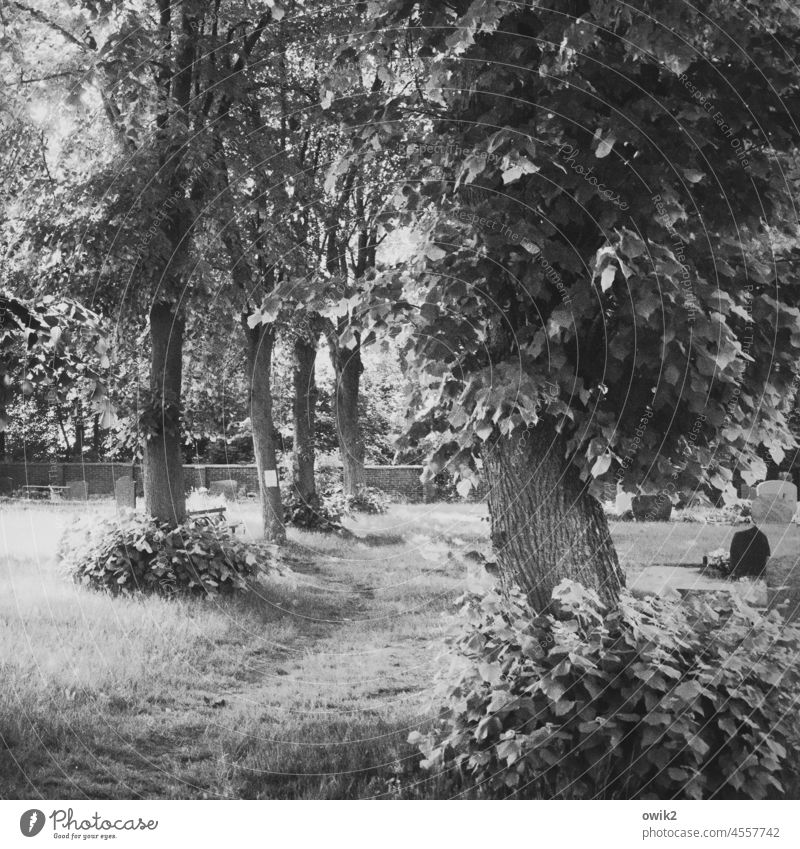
x: 367, y: 500
x: 736, y: 512
x: 651, y: 700
x: 536, y: 294
x: 137, y: 554
x: 313, y: 517
x: 718, y: 560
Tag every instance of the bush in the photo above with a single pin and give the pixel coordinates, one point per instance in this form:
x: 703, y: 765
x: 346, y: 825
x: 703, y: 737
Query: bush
x: 737, y: 512
x: 135, y: 553
x: 652, y: 700
x: 312, y: 517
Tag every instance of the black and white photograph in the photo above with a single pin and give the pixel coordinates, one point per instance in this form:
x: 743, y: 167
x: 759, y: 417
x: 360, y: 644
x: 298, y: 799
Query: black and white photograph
x: 400, y: 402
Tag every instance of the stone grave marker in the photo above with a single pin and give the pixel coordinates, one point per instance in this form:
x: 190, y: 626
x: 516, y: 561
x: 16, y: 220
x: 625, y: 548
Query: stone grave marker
x: 749, y: 553
x: 77, y: 490
x: 125, y: 493
x: 775, y: 503
x: 6, y: 486
x: 229, y: 488
x: 651, y: 508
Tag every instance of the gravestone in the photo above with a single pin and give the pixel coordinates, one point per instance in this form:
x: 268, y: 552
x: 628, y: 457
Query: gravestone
x: 749, y: 553
x: 623, y: 502
x: 77, y: 490
x: 125, y: 493
x: 228, y: 488
x: 775, y: 503
x: 651, y: 508
x: 6, y: 486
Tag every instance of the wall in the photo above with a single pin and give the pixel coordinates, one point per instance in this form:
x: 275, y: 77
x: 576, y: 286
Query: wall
x: 402, y: 481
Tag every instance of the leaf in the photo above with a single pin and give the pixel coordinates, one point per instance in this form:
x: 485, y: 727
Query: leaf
x: 605, y: 146
x: 464, y: 487
x: 693, y: 176
x: 484, y: 430
x: 688, y: 691
x: 520, y: 168
x: 607, y: 277
x: 777, y: 453
x: 601, y: 465
x: 434, y: 253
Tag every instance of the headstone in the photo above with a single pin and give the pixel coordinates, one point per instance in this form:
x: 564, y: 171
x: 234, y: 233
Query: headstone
x: 77, y: 490
x: 651, y: 508
x: 228, y: 488
x: 6, y: 486
x: 125, y: 493
x: 775, y: 503
x: 749, y: 553
x: 622, y: 502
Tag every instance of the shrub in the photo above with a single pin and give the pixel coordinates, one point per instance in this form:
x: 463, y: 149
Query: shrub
x: 313, y: 517
x: 135, y: 553
x: 368, y: 500
x: 652, y: 700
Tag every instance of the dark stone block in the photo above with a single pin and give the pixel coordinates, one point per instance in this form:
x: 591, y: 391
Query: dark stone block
x: 749, y: 553
x: 651, y: 508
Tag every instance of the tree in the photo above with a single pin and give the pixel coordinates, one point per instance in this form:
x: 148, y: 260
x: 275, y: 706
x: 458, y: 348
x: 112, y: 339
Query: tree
x: 596, y: 295
x: 164, y: 73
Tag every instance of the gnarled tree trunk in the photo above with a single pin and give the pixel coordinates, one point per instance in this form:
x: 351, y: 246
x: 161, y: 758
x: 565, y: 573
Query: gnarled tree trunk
x: 545, y: 526
x: 348, y: 367
x: 260, y: 342
x: 164, y: 494
x: 305, y: 416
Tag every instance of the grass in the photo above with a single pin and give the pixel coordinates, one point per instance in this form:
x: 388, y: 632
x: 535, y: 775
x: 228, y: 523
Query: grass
x: 306, y: 688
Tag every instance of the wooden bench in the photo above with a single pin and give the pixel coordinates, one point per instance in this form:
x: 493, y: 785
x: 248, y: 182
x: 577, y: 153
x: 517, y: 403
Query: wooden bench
x: 32, y: 490
x: 211, y: 517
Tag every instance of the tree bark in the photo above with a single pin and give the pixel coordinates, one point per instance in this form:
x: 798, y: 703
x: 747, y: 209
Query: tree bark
x: 305, y: 417
x: 348, y: 368
x: 164, y: 495
x: 260, y: 342
x: 545, y: 526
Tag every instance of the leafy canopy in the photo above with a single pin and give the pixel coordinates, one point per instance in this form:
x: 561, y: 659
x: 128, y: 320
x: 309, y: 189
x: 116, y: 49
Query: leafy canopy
x: 595, y: 199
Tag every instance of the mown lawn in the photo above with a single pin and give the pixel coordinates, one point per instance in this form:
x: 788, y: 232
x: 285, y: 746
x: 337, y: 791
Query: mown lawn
x: 307, y: 688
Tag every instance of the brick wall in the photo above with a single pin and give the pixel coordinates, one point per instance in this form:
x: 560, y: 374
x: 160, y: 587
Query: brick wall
x: 396, y: 480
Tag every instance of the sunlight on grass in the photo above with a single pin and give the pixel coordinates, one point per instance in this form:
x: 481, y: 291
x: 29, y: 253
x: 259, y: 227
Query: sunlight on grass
x: 303, y: 688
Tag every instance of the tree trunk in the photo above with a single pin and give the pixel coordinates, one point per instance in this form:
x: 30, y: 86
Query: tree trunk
x: 80, y: 431
x: 305, y: 416
x: 260, y: 341
x: 164, y: 495
x: 544, y: 524
x: 348, y: 367
x: 96, y: 436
